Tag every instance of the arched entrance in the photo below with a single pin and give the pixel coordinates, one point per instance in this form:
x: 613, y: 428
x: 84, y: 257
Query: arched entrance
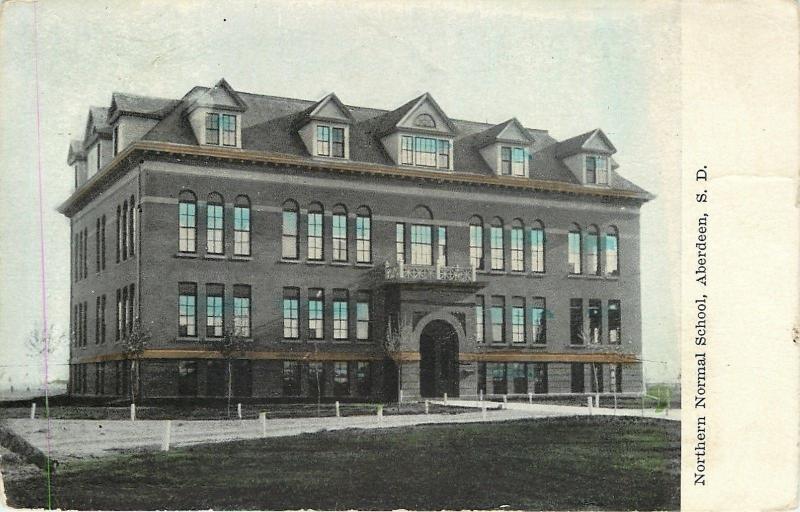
x: 438, y: 366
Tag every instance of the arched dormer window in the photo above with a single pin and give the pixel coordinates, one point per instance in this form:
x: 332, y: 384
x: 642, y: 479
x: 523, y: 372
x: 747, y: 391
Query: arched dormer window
x: 289, y: 240
x: 517, y: 246
x: 363, y: 235
x: 315, y: 229
x: 339, y: 228
x: 574, y: 249
x: 215, y: 234
x: 537, y: 246
x: 187, y: 222
x: 593, y: 250
x: 241, y: 226
x: 496, y: 245
x: 612, y: 251
x: 476, y: 242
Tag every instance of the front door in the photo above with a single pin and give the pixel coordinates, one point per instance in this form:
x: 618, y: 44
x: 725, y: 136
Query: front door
x: 438, y: 367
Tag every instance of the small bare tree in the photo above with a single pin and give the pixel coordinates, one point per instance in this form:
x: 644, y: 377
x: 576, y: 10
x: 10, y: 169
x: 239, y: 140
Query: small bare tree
x: 231, y: 345
x: 397, y: 337
x: 133, y: 347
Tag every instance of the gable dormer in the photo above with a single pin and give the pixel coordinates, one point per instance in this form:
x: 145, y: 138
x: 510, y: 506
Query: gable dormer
x: 324, y: 128
x: 506, y: 148
x: 216, y: 116
x: 76, y: 158
x: 97, y: 140
x: 588, y: 156
x: 419, y: 134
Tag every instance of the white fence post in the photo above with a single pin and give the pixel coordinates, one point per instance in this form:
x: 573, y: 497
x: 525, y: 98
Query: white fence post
x: 480, y: 395
x: 426, y: 406
x: 473, y: 272
x: 445, y: 399
x: 597, y: 400
x: 483, y: 410
x: 589, y: 401
x: 239, y: 410
x: 262, y: 416
x: 337, y: 409
x: 33, y: 410
x: 133, y: 412
x: 167, y: 435
x: 530, y: 398
x: 380, y: 412
x: 505, y: 399
x: 400, y: 396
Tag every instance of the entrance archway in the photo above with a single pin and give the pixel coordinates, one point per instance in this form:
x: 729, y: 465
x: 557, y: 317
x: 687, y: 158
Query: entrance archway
x: 438, y: 366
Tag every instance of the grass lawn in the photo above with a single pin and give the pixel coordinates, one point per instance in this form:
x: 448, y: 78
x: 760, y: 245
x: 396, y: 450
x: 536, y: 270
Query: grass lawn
x: 563, y: 463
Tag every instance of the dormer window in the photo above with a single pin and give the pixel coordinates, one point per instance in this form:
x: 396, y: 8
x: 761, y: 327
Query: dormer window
x: 425, y: 152
x: 512, y: 161
x: 330, y: 141
x: 224, y: 122
x: 597, y: 170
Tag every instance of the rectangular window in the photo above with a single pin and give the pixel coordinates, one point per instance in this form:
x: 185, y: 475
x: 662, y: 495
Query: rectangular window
x: 339, y: 237
x: 337, y: 143
x: 482, y: 378
x: 518, y: 321
x: 291, y: 313
x: 421, y: 245
x: 505, y: 161
x: 103, y: 319
x: 125, y: 309
x: 97, y: 320
x: 187, y: 300
x: 441, y: 245
x: 187, y: 378
x: 187, y: 228
x: 400, y: 242
x: 602, y: 170
x: 363, y: 316
x: 214, y: 321
x: 614, y: 322
x: 85, y: 252
x: 214, y: 229
x: 496, y: 245
x: 539, y: 320
x: 228, y: 130
x: 119, y: 244
x: 97, y: 246
x: 363, y: 378
x: 124, y: 232
x: 116, y: 139
x: 518, y: 162
x: 316, y: 309
x: 241, y: 310
x: 131, y: 303
x: 315, y: 243
x: 499, y: 378
x: 103, y: 243
x: 480, y: 326
x: 118, y: 327
x: 289, y: 235
x: 498, y: 319
x: 363, y: 239
x: 316, y: 379
x: 591, y: 169
x: 595, y: 321
x: 537, y: 375
x: 212, y: 129
x: 537, y: 250
x: 291, y: 378
x: 576, y: 321
x: 132, y: 228
x: 592, y: 253
x: 84, y: 329
x: 323, y: 140
x: 616, y: 372
x: 425, y: 150
x: 574, y: 243
x: 444, y: 154
x: 340, y: 324
x: 241, y: 230
x: 99, y: 152
x: 341, y: 379
x: 518, y: 378
x: 576, y: 378
x: 407, y: 150
x: 517, y: 249
x: 612, y: 254
x: 476, y: 246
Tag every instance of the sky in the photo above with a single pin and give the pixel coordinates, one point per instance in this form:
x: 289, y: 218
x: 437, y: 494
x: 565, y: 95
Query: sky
x: 564, y: 66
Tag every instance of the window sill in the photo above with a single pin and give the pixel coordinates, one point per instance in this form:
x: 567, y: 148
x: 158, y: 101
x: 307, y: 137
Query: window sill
x: 341, y: 264
x: 584, y: 276
x: 365, y: 264
x: 189, y: 255
x: 315, y: 262
x: 612, y: 278
x: 187, y: 339
x: 241, y: 258
x: 572, y: 345
x: 284, y: 260
x: 536, y: 275
x: 214, y: 256
x: 497, y: 272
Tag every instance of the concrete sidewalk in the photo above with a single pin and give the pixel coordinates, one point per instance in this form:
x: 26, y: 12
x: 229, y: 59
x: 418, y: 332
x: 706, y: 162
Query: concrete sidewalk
x: 79, y: 439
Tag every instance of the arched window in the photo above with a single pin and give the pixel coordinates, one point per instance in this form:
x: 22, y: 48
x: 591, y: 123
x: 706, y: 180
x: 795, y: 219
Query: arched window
x: 339, y: 225
x: 315, y: 230
x: 612, y: 251
x: 289, y: 247
x: 363, y: 235
x: 537, y: 246
x: 187, y: 222
x: 132, y: 227
x: 517, y: 246
x: 215, y: 240
x: 241, y: 226
x: 476, y: 242
x: 593, y: 251
x: 422, y: 212
x: 123, y: 235
x: 496, y: 244
x: 574, y: 249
